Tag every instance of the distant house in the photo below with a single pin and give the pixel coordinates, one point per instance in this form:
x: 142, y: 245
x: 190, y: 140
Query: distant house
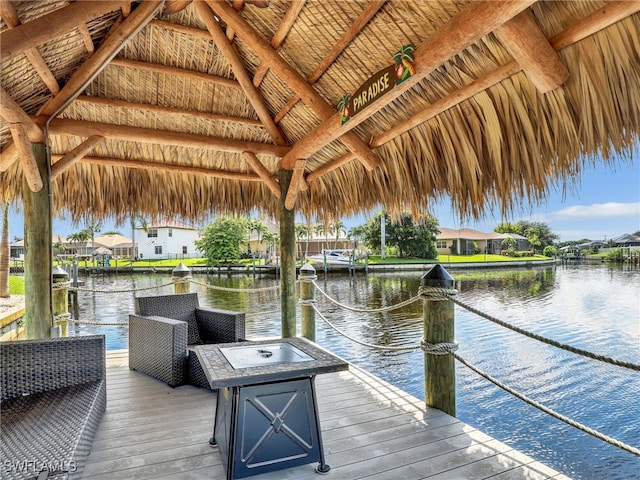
x: 467, y: 241
x: 16, y: 249
x: 119, y: 245
x: 167, y: 239
x: 627, y: 240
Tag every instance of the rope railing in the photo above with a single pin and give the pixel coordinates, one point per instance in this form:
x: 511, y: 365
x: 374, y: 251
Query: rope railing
x: 548, y: 411
x: 445, y: 348
x: 128, y: 290
x: 240, y: 290
x: 366, y: 310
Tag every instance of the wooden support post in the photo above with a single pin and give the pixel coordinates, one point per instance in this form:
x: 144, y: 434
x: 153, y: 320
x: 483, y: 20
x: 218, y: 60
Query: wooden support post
x: 181, y: 278
x: 439, y: 331
x: 307, y: 296
x: 37, y: 245
x: 60, y: 300
x: 287, y: 261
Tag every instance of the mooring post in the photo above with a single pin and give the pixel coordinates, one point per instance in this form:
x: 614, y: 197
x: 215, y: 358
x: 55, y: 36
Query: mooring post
x: 307, y: 297
x: 439, y: 339
x: 60, y: 279
x: 181, y: 276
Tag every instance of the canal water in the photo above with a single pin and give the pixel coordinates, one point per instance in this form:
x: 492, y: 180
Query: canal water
x: 595, y: 308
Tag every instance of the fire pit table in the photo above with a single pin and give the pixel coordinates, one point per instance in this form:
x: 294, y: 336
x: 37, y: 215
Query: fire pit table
x: 266, y: 411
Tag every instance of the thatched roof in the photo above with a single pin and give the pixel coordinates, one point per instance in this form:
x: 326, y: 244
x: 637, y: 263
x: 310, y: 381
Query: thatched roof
x: 200, y: 109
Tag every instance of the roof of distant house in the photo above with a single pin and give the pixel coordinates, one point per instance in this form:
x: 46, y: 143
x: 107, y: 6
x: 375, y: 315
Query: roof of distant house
x: 168, y: 224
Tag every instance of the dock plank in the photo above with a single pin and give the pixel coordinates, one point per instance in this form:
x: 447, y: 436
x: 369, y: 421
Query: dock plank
x: 371, y: 430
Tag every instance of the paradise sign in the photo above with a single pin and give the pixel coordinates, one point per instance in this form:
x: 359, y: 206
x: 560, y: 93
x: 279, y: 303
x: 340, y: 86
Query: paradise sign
x: 379, y: 84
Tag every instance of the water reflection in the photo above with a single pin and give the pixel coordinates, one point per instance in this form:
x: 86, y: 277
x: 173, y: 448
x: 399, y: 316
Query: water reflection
x: 595, y: 308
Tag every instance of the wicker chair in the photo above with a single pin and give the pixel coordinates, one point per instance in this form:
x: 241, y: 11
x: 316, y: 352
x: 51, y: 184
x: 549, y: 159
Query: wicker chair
x: 53, y: 397
x: 165, y: 329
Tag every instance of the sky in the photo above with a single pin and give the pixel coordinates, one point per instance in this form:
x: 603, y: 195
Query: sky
x: 604, y: 204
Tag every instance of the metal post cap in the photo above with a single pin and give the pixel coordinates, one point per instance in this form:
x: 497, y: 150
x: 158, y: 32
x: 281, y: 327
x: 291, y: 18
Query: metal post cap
x: 437, y: 276
x: 181, y: 270
x: 58, y: 273
x: 307, y: 270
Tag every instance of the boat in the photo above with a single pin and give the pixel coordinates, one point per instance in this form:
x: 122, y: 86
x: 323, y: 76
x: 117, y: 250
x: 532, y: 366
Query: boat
x: 332, y: 257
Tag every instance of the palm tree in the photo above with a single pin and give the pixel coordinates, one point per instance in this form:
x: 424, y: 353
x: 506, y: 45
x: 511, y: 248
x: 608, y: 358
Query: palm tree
x: 302, y: 230
x: 338, y: 227
x: 320, y: 229
x: 78, y: 237
x: 93, y: 228
x: 4, y: 254
x: 143, y: 223
x: 272, y: 240
x: 260, y: 228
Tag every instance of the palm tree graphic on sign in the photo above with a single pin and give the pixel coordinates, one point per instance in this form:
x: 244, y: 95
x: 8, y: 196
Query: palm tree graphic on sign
x: 404, y: 63
x: 343, y: 108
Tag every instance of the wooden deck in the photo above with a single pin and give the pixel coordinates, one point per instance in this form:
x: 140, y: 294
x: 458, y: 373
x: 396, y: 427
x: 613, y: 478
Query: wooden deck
x: 370, y: 430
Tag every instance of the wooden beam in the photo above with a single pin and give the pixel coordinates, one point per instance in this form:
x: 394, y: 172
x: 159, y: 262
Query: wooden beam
x: 183, y: 29
x: 599, y: 20
x: 279, y: 36
x: 11, y: 112
x: 109, y: 49
x: 67, y: 160
x: 357, y: 26
x: 471, y: 24
x: 175, y: 6
x: 230, y: 53
x: 237, y: 6
x: 27, y: 157
x: 294, y: 187
x: 526, y: 43
x: 291, y: 76
x: 86, y: 38
x: 263, y: 173
x: 12, y: 20
x: 147, y: 107
x: 168, y: 70
x: 593, y: 23
x: 62, y: 126
x: 9, y: 156
x: 166, y: 167
x: 43, y: 29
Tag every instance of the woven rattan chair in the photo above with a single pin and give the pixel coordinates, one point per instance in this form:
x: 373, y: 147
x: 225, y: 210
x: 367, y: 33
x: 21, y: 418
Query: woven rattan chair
x: 165, y: 329
x: 53, y: 394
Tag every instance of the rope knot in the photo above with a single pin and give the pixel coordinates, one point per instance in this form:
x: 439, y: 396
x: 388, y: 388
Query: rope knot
x: 307, y: 301
x: 443, y: 348
x: 436, y: 293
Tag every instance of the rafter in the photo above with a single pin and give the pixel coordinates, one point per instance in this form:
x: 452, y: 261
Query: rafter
x: 111, y: 102
x: 41, y: 30
x: 67, y: 160
x: 356, y: 27
x: 293, y: 79
x: 12, y: 20
x: 294, y: 186
x: 230, y: 53
x: 593, y: 23
x: 11, y: 112
x: 62, y: 126
x: 279, y: 36
x: 474, y: 22
x: 94, y: 65
x: 166, y: 167
x: 522, y: 37
x: 27, y: 157
x: 263, y: 173
x: 168, y: 70
x: 86, y: 38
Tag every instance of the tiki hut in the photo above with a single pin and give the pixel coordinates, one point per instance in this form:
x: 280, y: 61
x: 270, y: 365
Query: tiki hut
x: 318, y: 108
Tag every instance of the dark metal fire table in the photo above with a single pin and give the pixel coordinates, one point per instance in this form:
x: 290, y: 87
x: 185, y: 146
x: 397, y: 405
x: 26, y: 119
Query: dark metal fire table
x: 266, y: 411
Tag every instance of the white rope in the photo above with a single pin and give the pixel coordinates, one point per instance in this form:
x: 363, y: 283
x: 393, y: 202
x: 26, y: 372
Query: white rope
x: 367, y: 310
x: 371, y: 345
x: 549, y: 411
x: 228, y: 289
x: 95, y: 290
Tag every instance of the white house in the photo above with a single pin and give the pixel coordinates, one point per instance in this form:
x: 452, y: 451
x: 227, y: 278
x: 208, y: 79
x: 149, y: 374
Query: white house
x: 167, y: 239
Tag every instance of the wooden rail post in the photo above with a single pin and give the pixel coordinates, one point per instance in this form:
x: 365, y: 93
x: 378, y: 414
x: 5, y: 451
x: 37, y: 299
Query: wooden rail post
x: 439, y: 333
x: 287, y: 260
x: 181, y: 276
x: 307, y: 295
x: 60, y: 280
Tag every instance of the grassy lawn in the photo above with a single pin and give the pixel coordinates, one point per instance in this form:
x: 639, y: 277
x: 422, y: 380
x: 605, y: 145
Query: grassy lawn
x: 376, y: 260
x: 16, y: 285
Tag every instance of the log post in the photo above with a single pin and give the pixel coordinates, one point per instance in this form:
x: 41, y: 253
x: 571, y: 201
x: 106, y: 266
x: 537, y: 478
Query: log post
x: 287, y: 260
x: 37, y: 252
x: 307, y: 296
x: 439, y: 340
x: 181, y: 278
x: 60, y: 280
